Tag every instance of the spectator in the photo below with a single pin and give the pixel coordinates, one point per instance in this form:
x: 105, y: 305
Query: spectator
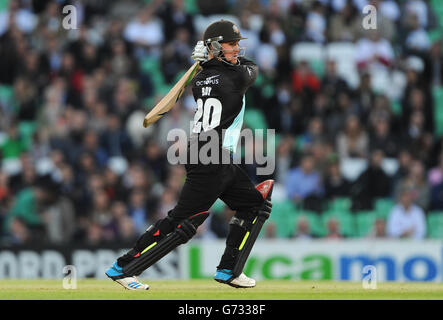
x: 59, y: 217
x: 341, y: 110
x: 344, y: 25
x: 372, y: 183
x: 115, y: 140
x: 145, y: 32
x: 303, y: 229
x: 353, y: 141
x: 364, y: 96
x: 14, y: 145
x: 17, y: 16
x: 303, y: 79
x: 436, y: 194
x: 138, y: 210
x: 382, y: 138
x: 315, y: 29
x: 379, y: 229
x: 176, y: 55
x: 417, y: 38
x: 304, y: 185
x: 174, y: 17
x: 332, y: 83
x: 404, y: 160
x: 333, y: 229
x: 18, y: 234
x: 406, y: 220
x: 270, y: 230
x: 435, y: 174
x: 436, y: 62
x: 336, y: 185
x: 416, y: 182
x: 373, y: 52
x: 284, y: 158
x: 101, y: 212
x: 315, y: 133
x: 154, y: 158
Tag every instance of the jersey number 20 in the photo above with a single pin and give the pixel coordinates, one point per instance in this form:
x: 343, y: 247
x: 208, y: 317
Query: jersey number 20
x: 208, y: 115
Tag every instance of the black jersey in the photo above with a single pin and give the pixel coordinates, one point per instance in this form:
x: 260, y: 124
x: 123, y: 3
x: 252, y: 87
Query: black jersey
x: 219, y: 90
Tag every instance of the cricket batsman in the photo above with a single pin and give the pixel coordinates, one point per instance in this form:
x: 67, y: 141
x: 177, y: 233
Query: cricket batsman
x: 219, y: 91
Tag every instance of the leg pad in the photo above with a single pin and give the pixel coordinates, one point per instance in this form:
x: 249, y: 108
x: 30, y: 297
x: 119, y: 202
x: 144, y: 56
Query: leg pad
x: 157, y: 250
x: 251, y: 236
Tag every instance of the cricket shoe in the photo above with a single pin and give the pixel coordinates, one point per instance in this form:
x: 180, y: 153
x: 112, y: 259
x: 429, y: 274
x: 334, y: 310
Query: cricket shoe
x: 128, y: 282
x: 226, y: 276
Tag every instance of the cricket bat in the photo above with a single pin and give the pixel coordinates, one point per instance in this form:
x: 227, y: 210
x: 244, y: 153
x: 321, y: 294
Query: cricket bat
x: 168, y: 101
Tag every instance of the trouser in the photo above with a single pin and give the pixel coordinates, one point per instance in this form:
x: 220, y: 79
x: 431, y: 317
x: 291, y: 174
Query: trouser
x: 203, y: 186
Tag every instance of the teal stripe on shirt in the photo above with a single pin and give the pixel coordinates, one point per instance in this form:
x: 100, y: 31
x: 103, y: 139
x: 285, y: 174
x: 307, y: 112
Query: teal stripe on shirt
x: 232, y: 134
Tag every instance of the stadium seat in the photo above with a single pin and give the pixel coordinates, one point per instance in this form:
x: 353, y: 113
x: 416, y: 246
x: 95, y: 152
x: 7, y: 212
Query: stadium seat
x: 255, y: 119
x: 438, y: 110
x: 26, y: 130
x: 364, y: 221
x: 283, y: 215
x: 435, y: 224
x: 6, y: 95
x: 340, y: 204
x: 383, y: 207
x: 438, y: 10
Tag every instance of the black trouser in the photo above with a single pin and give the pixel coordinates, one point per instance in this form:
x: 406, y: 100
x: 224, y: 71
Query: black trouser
x: 203, y: 186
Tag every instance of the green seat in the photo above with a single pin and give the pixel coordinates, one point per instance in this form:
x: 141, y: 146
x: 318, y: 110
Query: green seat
x: 255, y: 119
x: 318, y: 67
x: 435, y: 224
x: 364, y: 221
x: 340, y: 204
x: 345, y: 219
x: 283, y: 215
x: 27, y: 130
x: 438, y: 110
x: 396, y: 108
x: 383, y: 207
x: 437, y: 7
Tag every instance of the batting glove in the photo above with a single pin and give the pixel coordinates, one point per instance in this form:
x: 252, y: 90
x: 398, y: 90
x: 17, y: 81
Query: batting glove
x: 200, y: 52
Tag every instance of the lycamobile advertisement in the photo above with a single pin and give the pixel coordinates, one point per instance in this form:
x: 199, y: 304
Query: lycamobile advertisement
x: 323, y: 260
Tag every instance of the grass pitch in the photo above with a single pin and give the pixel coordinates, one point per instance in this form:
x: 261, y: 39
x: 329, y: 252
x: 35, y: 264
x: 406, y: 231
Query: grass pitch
x: 211, y: 290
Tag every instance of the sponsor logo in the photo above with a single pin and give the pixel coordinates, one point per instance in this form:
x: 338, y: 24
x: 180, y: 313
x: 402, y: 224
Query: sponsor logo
x: 235, y: 28
x: 368, y: 268
x: 208, y: 81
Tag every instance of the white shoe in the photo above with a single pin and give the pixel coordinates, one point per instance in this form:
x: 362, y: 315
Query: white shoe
x: 242, y: 281
x: 131, y: 283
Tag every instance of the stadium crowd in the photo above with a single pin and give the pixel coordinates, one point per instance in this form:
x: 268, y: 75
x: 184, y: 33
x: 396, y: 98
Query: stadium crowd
x: 77, y: 165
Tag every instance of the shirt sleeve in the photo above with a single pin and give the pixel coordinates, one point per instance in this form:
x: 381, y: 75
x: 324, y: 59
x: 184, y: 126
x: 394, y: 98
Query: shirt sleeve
x: 420, y: 231
x: 248, y: 72
x: 393, y: 228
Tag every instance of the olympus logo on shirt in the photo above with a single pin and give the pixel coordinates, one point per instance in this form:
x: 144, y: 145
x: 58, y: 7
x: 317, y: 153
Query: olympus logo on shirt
x: 208, y: 80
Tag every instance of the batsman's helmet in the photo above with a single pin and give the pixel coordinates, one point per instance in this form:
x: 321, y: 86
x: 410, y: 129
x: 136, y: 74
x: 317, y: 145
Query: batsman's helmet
x: 222, y: 31
x: 218, y: 32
